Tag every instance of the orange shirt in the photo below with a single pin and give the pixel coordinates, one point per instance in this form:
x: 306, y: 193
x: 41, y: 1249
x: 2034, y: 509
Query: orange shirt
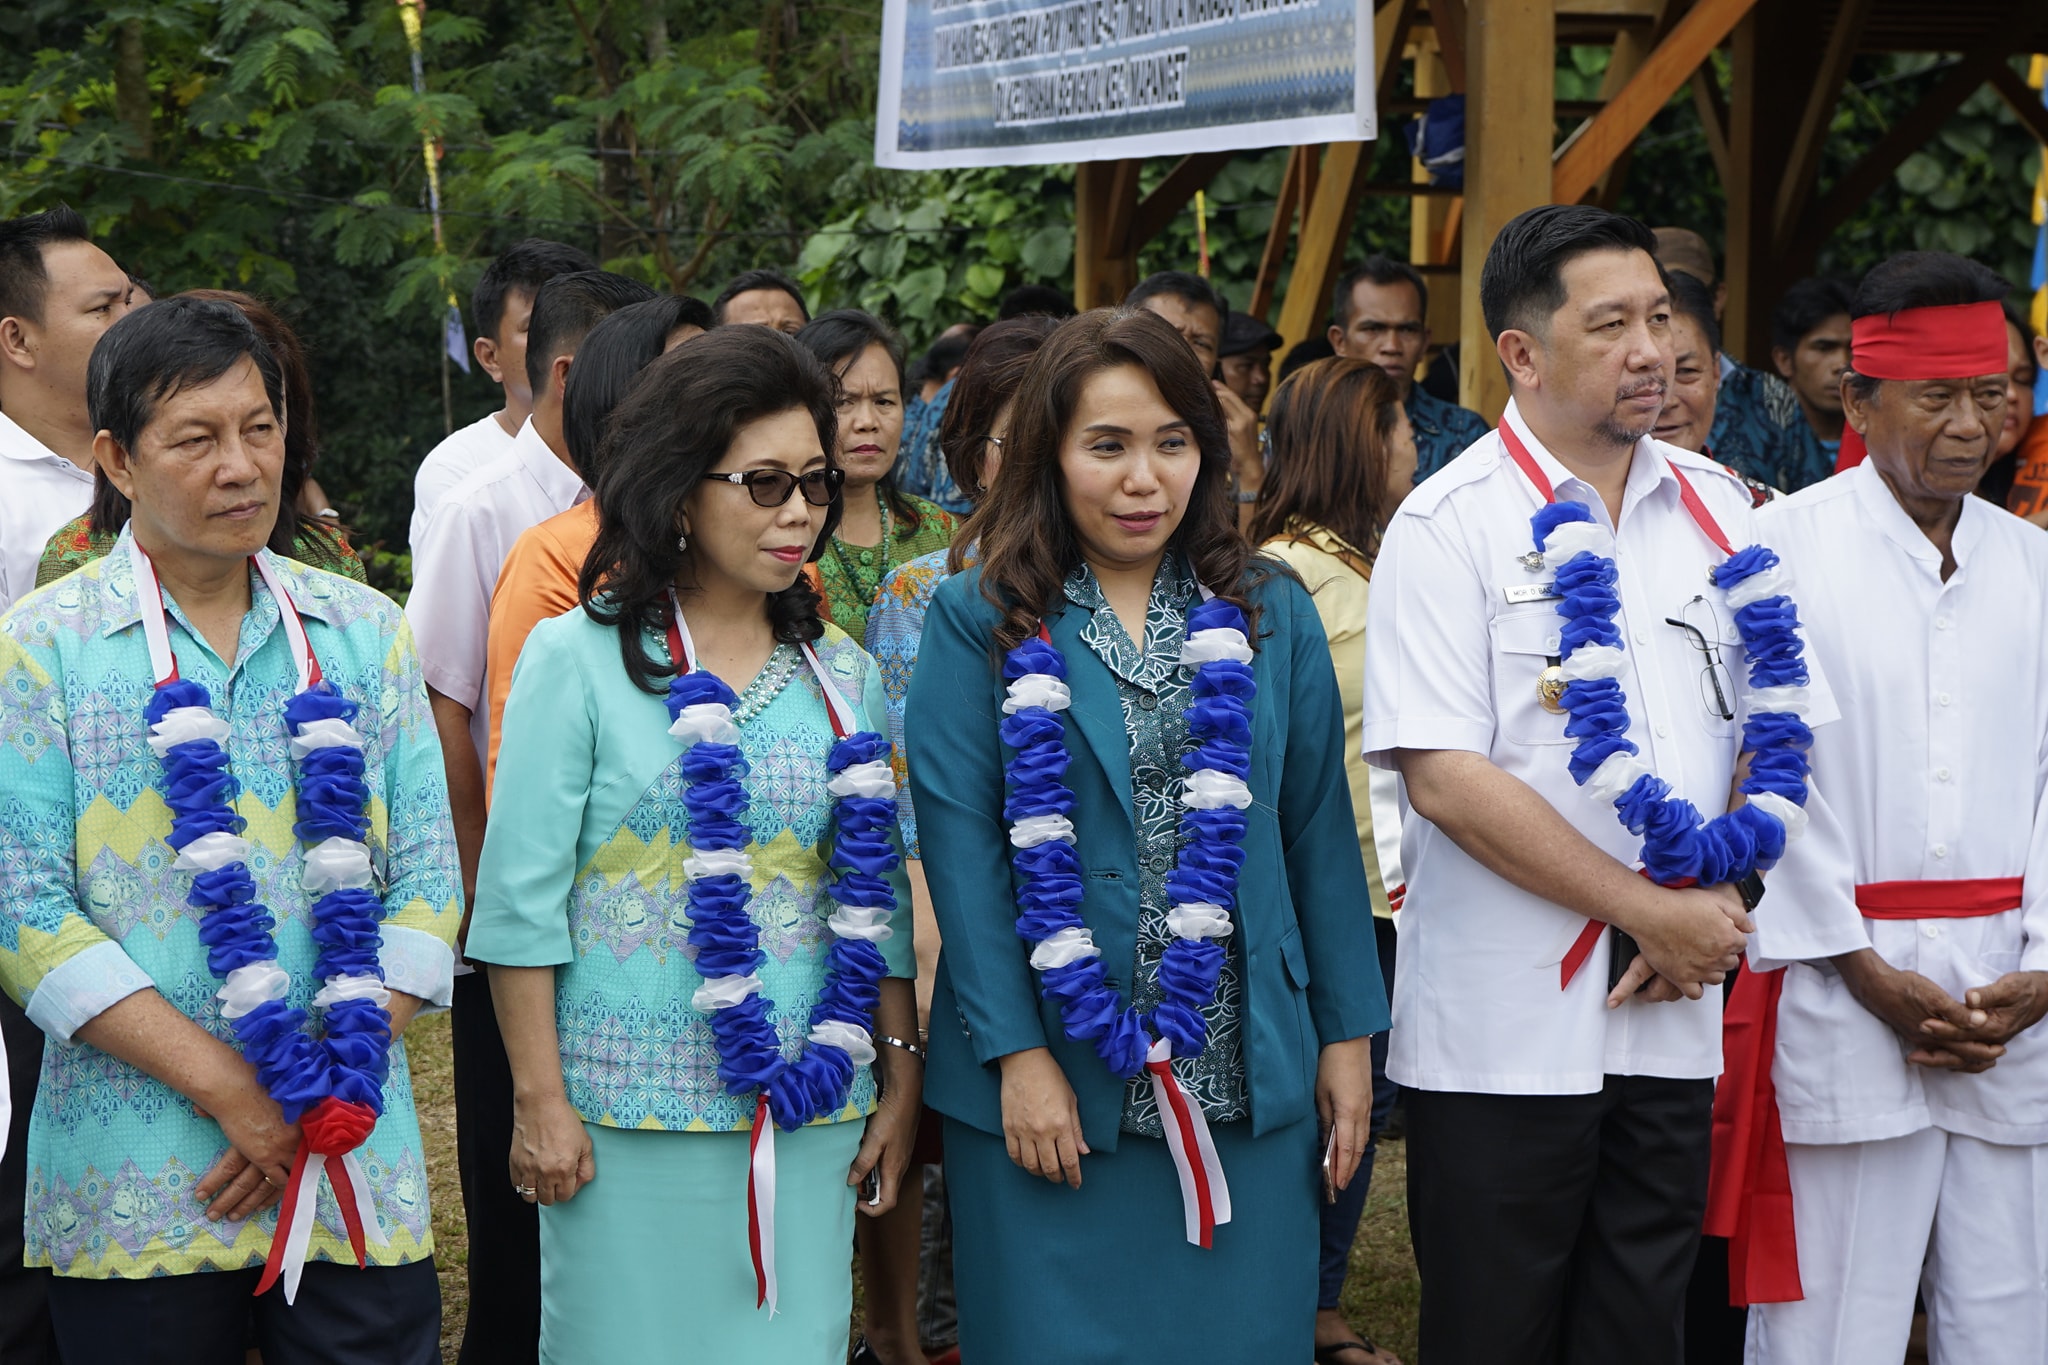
x: 537, y: 582
x: 2030, y: 475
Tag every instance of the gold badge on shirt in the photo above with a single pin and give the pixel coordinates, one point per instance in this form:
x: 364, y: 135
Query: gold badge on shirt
x: 1550, y: 684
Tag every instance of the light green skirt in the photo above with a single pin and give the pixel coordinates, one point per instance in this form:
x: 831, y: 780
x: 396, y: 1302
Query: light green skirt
x: 649, y: 1262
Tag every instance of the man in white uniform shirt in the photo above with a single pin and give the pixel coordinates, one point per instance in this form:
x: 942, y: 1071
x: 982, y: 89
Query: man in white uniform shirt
x: 455, y: 567
x: 58, y: 294
x: 1558, y: 1118
x: 1911, y: 1078
x: 501, y: 306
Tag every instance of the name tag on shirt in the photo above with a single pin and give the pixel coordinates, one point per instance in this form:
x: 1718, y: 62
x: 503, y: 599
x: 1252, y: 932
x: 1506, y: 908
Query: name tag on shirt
x: 1531, y: 592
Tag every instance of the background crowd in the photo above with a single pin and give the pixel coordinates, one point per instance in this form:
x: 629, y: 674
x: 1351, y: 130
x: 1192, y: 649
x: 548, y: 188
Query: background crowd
x: 620, y: 404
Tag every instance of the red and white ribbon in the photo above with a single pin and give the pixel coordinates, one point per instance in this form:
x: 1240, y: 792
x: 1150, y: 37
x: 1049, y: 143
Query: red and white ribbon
x: 331, y: 1131
x: 1204, y: 1194
x: 761, y: 1205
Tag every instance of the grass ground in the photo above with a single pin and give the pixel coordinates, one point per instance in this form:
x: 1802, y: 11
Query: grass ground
x: 1380, y: 1298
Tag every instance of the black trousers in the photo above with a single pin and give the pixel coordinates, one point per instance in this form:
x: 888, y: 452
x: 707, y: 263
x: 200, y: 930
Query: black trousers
x: 24, y: 1292
x: 1558, y: 1228
x: 344, y: 1315
x: 503, y: 1326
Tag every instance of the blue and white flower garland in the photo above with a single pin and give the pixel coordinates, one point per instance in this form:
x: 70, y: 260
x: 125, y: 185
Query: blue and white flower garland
x: 789, y: 1094
x: 333, y: 1086
x: 1202, y: 887
x: 1679, y: 848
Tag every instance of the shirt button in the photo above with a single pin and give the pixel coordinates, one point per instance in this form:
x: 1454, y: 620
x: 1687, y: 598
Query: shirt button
x: 1941, y: 850
x: 1941, y: 774
x: 1941, y: 623
x: 1943, y: 698
x: 1551, y: 643
x: 1148, y: 701
x: 1663, y: 731
x: 1155, y: 862
x: 1642, y: 637
x: 1930, y: 930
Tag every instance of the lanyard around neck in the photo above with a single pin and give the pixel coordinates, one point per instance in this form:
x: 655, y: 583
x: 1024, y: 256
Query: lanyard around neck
x: 157, y: 632
x: 1686, y: 494
x: 682, y: 652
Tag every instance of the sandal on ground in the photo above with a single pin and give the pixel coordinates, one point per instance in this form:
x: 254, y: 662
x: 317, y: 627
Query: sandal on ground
x: 1334, y: 1353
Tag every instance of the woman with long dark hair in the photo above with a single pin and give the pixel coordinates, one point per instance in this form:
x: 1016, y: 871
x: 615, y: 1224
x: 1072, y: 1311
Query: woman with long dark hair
x: 882, y: 526
x: 687, y: 887
x: 1119, y: 719
x: 299, y: 534
x: 1343, y: 457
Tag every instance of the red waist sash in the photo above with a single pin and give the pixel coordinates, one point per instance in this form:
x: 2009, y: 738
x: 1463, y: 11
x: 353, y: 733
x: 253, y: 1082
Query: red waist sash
x: 1749, y: 1193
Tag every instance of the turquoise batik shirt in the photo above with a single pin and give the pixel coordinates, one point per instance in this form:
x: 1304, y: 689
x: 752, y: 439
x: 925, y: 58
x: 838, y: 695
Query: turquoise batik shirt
x: 1152, y: 686
x: 895, y: 626
x: 583, y: 869
x: 92, y: 910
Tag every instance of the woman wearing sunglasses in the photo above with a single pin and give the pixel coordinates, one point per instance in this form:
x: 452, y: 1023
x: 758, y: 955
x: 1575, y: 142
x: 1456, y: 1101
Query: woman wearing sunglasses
x: 687, y: 891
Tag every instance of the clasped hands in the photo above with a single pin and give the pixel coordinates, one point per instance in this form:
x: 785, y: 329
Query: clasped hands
x: 1690, y: 938
x: 1967, y: 1035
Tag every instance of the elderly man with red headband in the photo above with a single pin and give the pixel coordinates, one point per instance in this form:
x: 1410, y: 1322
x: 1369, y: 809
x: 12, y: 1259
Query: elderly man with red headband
x: 1882, y: 1126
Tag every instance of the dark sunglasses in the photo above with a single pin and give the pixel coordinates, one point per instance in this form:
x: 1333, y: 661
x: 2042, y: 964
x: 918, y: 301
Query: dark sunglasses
x: 772, y: 487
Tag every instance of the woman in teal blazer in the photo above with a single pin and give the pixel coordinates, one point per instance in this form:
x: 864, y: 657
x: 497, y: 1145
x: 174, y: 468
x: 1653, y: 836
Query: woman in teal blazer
x: 1110, y: 517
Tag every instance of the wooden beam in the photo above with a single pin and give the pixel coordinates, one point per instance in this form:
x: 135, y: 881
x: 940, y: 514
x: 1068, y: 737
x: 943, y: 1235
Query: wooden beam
x: 1632, y: 47
x: 1587, y: 155
x: 1713, y: 116
x: 1802, y: 166
x: 1906, y: 137
x: 1281, y: 232
x: 1325, y: 233
x: 1390, y: 25
x: 1447, y: 18
x: 1172, y: 194
x: 1508, y: 129
x: 2022, y: 99
x: 1763, y: 62
x: 1105, y: 264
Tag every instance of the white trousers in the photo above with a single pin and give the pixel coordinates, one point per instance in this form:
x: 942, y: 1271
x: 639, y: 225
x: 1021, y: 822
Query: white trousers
x: 1965, y: 1222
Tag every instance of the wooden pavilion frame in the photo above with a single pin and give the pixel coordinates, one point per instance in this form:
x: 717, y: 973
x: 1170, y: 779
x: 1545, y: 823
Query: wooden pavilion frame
x: 1787, y: 59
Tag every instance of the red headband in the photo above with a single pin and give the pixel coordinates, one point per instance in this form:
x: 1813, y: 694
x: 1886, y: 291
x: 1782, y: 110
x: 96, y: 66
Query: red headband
x: 1959, y: 341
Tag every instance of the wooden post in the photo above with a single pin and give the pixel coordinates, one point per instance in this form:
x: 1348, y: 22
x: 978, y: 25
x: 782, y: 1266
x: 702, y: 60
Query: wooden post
x: 1105, y: 260
x: 1765, y: 98
x: 1292, y: 196
x: 1325, y: 232
x: 1433, y: 219
x: 1510, y: 103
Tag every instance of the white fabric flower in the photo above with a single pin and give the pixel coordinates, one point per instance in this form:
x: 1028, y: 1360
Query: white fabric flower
x: 331, y: 733
x: 210, y: 852
x: 182, y: 725
x: 870, y: 922
x: 1037, y: 689
x: 244, y: 988
x: 1792, y: 700
x: 851, y: 1039
x: 1615, y: 775
x: 1588, y: 662
x: 870, y: 779
x: 1211, y: 789
x: 705, y: 722
x: 1034, y: 830
x: 336, y: 864
x: 1065, y: 946
x: 1207, y: 646
x: 1771, y: 582
x: 1573, y: 538
x: 1199, y: 919
x: 339, y: 988
x: 723, y: 992
x: 719, y: 862
x: 1790, y: 815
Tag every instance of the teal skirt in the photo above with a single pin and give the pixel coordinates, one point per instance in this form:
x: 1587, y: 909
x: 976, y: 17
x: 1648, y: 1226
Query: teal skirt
x: 649, y: 1262
x: 1104, y: 1275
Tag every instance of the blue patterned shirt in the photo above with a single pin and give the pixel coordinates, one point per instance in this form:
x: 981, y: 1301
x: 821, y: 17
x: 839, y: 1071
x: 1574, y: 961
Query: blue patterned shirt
x: 95, y: 911
x: 1761, y: 432
x: 583, y: 870
x: 1442, y: 430
x: 920, y: 464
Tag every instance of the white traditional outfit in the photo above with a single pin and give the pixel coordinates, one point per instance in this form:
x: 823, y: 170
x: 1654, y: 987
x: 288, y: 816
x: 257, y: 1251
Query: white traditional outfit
x: 1560, y: 1155
x: 1902, y: 1176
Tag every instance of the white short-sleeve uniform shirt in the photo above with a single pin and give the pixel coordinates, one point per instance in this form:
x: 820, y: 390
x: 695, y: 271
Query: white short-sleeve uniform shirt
x: 456, y: 565
x: 1457, y: 638
x: 461, y: 453
x: 40, y: 490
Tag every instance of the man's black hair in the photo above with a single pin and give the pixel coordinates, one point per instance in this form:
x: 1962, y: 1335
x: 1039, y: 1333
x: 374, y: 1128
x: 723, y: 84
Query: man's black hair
x: 564, y: 311
x: 1303, y: 353
x: 525, y: 265
x: 155, y: 352
x: 943, y: 356
x: 1384, y: 271
x: 1027, y: 300
x: 24, y: 280
x: 1694, y: 301
x: 1919, y: 279
x: 1805, y: 306
x: 1522, y: 283
x: 609, y: 359
x: 1189, y: 288
x: 749, y: 280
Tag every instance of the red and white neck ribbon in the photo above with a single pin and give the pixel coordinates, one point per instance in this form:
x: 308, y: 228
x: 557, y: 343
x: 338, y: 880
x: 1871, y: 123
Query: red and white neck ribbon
x: 333, y: 1131
x: 1204, y: 1194
x: 156, y: 629
x: 761, y: 1204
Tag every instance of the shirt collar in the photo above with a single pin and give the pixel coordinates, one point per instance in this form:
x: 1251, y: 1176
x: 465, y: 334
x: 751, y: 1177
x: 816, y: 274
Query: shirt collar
x: 17, y: 444
x: 1881, y: 505
x: 1648, y: 469
x: 562, y: 486
x: 121, y: 603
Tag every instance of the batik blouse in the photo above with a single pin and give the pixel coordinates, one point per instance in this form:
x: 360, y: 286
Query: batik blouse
x: 583, y: 869
x: 850, y: 577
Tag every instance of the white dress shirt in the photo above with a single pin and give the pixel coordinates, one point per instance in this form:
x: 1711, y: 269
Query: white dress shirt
x: 461, y: 453
x: 1455, y: 645
x: 456, y: 564
x: 1937, y: 772
x: 40, y: 490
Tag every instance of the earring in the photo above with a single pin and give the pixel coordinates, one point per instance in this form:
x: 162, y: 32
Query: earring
x: 682, y: 542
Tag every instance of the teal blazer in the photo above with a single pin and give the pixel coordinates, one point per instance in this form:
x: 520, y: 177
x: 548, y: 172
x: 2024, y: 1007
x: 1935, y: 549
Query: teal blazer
x: 1304, y: 936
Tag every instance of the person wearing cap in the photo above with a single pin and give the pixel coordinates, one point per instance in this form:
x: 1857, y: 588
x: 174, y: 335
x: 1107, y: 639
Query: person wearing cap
x: 1245, y: 358
x: 1882, y: 1126
x: 1379, y: 313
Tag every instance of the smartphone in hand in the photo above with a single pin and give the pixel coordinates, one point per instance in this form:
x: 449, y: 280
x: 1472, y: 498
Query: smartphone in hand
x: 1330, y: 1168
